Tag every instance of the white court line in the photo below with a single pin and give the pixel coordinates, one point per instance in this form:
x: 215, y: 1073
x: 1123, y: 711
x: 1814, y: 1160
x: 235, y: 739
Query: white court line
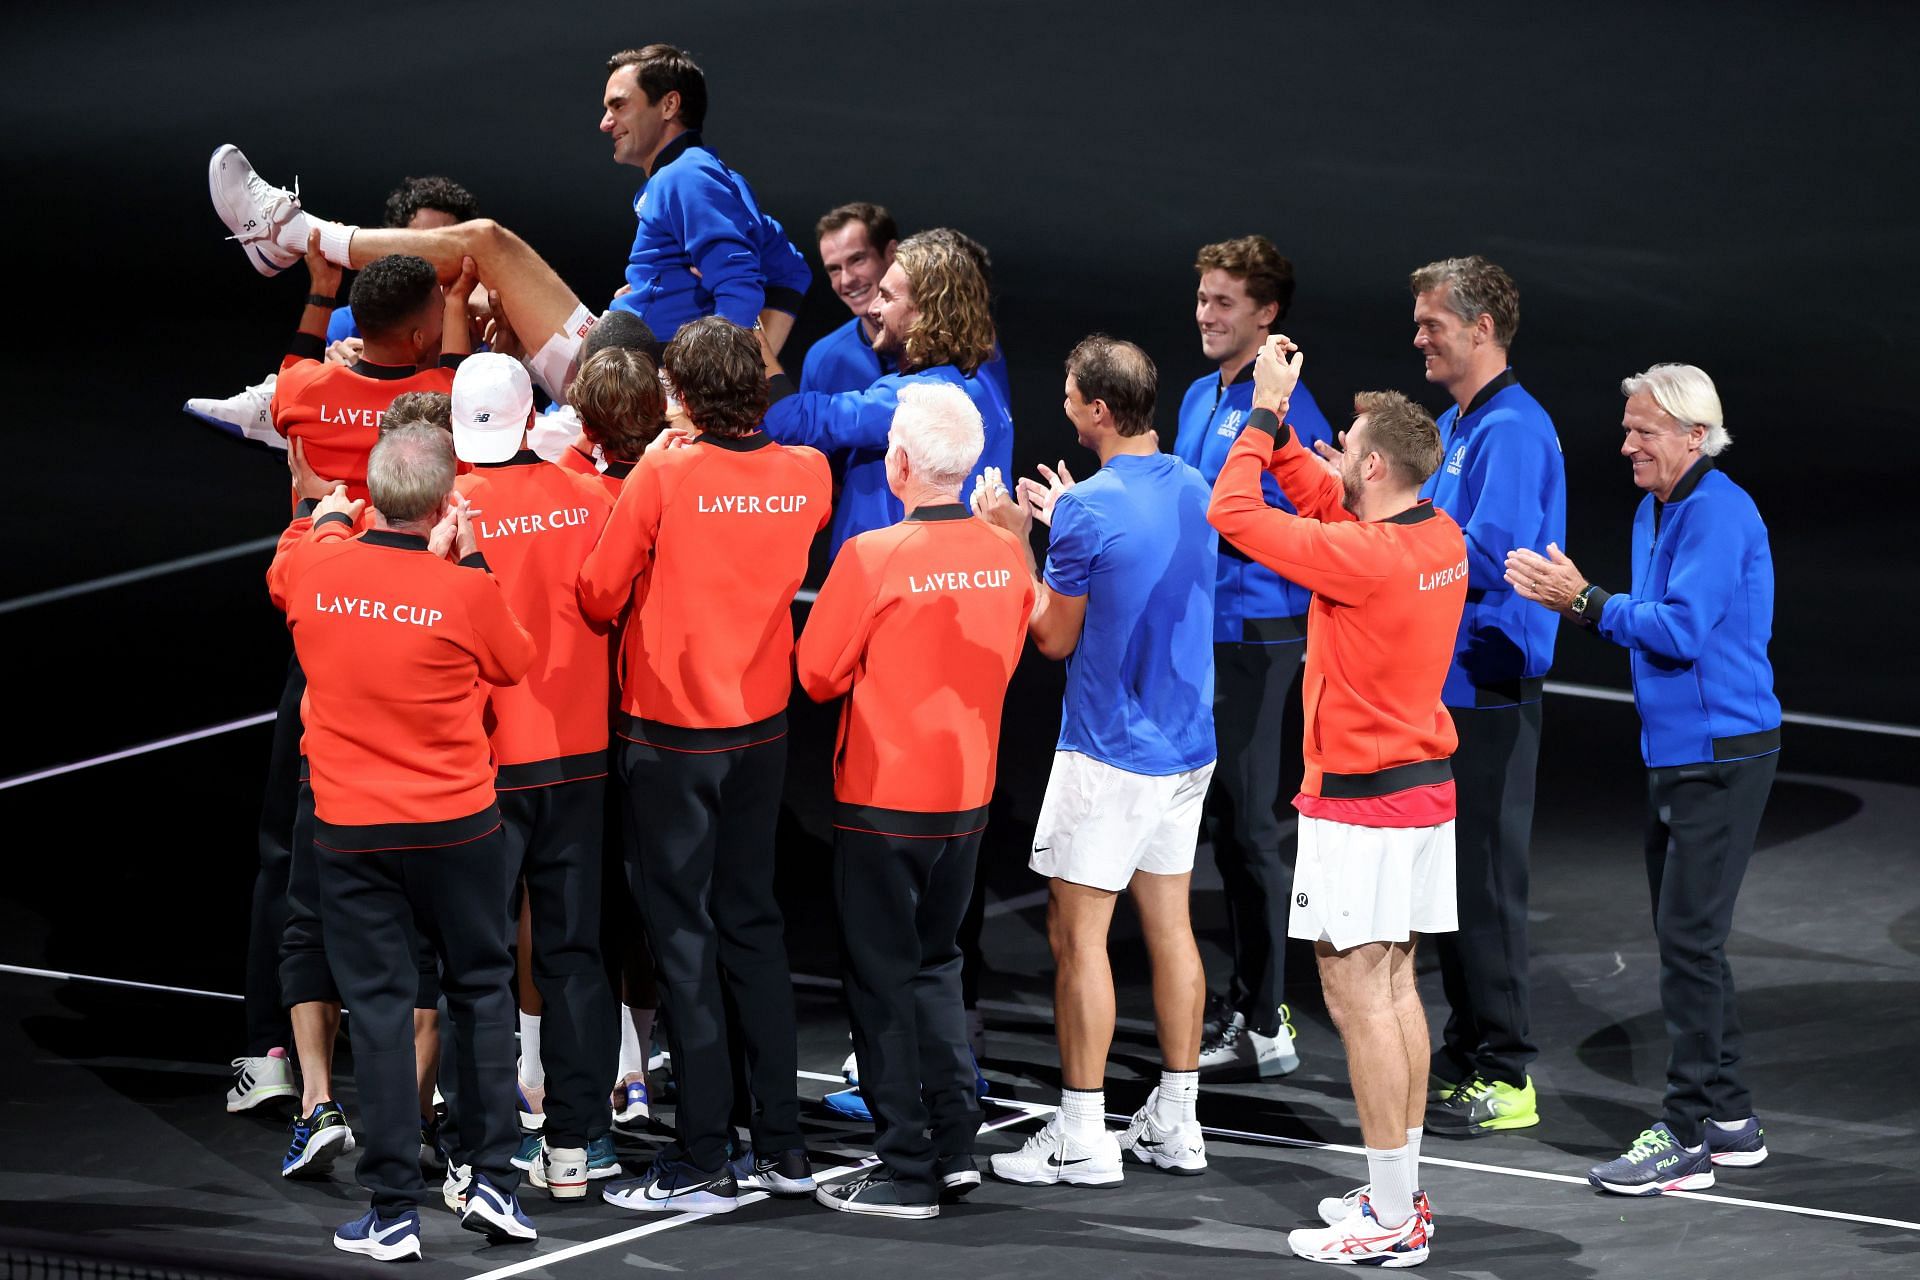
x: 682, y: 1219
x: 41, y: 775
x: 1031, y: 1109
x: 137, y: 575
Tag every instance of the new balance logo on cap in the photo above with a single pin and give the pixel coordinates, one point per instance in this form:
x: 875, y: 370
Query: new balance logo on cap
x: 483, y: 417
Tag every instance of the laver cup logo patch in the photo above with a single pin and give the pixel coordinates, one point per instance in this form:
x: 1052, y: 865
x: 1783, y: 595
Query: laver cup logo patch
x: 960, y: 580
x: 751, y: 504
x: 417, y: 615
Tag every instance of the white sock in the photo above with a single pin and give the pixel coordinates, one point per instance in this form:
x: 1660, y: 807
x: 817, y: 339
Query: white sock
x: 1179, y: 1091
x: 1083, y: 1112
x: 1730, y: 1126
x: 1392, y: 1176
x: 334, y: 239
x: 636, y: 1031
x: 532, y: 1074
x: 1413, y: 1155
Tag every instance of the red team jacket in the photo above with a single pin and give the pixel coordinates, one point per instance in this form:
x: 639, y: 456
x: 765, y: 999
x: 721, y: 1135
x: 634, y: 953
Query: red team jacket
x: 706, y: 547
x: 335, y: 410
x: 536, y: 522
x: 1387, y: 597
x: 396, y: 644
x: 923, y: 622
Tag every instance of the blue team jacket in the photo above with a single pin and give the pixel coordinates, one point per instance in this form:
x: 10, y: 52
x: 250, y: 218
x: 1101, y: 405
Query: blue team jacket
x: 1698, y: 622
x: 845, y: 360
x: 853, y: 425
x: 1251, y: 603
x: 1504, y: 482
x: 696, y: 213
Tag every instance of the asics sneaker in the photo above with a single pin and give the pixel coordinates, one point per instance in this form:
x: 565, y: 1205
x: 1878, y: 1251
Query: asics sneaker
x: 265, y: 219
x: 789, y: 1173
x: 1051, y: 1155
x: 1480, y: 1106
x: 533, y: 1103
x: 631, y: 1106
x: 318, y: 1140
x: 1360, y: 1240
x: 247, y: 415
x: 601, y: 1160
x: 1655, y: 1162
x: 382, y: 1239
x: 495, y: 1214
x: 849, y: 1103
x: 1240, y: 1052
x: 673, y: 1186
x: 872, y: 1192
x: 1337, y: 1209
x: 1180, y: 1149
x: 1740, y: 1148
x: 255, y: 1080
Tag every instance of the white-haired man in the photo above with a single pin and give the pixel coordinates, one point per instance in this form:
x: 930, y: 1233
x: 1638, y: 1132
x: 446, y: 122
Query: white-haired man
x: 1696, y: 624
x: 921, y: 624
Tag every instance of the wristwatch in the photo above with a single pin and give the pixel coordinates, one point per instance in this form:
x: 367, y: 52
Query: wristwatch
x: 1581, y: 601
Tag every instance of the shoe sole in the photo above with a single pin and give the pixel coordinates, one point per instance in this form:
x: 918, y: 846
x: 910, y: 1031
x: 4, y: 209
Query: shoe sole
x: 782, y: 1187
x: 692, y: 1202
x: 876, y: 1211
x: 1498, y: 1124
x: 1174, y: 1167
x: 1739, y: 1159
x: 1692, y: 1182
x: 266, y: 1093
x: 409, y: 1251
x: 1389, y: 1261
x: 959, y: 1185
x: 1078, y: 1180
x: 322, y: 1150
x: 495, y: 1231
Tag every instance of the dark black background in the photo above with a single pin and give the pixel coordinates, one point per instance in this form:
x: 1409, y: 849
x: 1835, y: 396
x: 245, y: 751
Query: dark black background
x: 1727, y: 185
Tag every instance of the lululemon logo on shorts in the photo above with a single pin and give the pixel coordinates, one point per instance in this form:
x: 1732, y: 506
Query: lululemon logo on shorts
x: 1300, y: 900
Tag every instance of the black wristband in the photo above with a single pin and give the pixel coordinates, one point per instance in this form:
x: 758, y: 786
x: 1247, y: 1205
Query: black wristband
x: 319, y: 300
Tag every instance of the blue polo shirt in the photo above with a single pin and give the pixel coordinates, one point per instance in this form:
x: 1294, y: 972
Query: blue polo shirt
x: 1697, y: 623
x: 1133, y: 538
x: 1503, y: 481
x: 1251, y: 603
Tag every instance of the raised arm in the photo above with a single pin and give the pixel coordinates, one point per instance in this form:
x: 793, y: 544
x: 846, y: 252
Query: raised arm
x: 1335, y: 559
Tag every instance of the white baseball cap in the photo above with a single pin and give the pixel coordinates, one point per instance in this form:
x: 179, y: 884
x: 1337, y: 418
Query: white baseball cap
x: 492, y: 401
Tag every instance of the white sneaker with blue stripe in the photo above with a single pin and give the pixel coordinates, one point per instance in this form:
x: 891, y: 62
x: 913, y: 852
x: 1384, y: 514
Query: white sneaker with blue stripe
x: 495, y: 1214
x: 384, y: 1240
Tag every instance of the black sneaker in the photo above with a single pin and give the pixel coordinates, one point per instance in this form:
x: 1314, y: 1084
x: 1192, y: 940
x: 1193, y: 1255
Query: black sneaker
x: 673, y: 1186
x: 1217, y: 1014
x: 958, y: 1175
x: 873, y: 1192
x: 789, y: 1173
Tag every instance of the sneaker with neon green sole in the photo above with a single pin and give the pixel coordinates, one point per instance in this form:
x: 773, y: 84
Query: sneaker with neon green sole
x: 1480, y: 1106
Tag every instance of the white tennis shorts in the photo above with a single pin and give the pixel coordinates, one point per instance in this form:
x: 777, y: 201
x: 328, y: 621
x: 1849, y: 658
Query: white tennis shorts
x: 1356, y: 884
x: 1098, y: 824
x: 552, y: 365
